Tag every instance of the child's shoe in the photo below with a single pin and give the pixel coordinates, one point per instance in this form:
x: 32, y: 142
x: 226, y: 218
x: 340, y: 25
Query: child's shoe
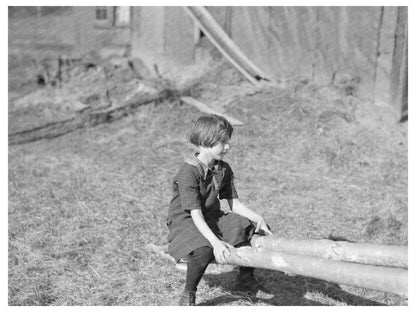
x: 247, y: 283
x: 187, y: 298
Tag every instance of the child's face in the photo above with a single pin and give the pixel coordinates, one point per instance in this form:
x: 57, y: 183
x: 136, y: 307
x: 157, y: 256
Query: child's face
x: 219, y: 150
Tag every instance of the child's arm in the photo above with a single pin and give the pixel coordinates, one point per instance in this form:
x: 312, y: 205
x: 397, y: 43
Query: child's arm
x: 238, y: 208
x: 220, y: 247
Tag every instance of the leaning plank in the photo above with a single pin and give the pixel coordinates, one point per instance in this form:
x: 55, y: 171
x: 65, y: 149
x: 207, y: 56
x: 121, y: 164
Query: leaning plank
x: 206, y: 109
x: 374, y: 254
x: 86, y: 118
x: 225, y: 41
x: 386, y: 279
x: 209, y: 28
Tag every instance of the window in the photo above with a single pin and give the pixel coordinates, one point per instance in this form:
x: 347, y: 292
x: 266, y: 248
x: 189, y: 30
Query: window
x: 122, y: 15
x: 101, y: 13
x: 118, y: 16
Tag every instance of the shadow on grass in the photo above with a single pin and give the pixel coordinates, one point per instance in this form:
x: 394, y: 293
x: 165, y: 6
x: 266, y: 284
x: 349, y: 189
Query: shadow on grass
x: 287, y: 290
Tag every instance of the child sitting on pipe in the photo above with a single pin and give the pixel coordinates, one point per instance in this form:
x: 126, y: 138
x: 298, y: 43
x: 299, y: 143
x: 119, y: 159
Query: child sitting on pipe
x: 198, y: 229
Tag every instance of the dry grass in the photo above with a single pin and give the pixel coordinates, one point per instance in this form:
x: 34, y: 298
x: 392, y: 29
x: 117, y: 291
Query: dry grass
x: 316, y: 163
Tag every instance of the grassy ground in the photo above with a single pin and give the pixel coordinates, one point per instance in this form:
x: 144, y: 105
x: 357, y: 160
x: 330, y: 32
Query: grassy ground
x: 316, y: 163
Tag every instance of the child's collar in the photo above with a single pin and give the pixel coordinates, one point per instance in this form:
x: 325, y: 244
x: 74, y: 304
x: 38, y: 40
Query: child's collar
x: 193, y: 160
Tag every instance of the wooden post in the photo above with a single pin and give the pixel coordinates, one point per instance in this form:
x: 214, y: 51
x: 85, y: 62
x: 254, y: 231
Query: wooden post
x: 399, y: 75
x: 387, y: 279
x: 374, y: 254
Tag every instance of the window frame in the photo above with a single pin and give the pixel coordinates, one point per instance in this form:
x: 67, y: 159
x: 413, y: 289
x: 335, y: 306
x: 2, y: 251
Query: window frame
x: 111, y: 20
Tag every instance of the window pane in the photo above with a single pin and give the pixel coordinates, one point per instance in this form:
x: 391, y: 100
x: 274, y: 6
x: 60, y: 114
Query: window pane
x: 122, y: 15
x: 101, y: 13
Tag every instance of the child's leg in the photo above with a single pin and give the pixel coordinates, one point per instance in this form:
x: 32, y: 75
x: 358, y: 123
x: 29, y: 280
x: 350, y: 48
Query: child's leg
x: 235, y: 229
x: 247, y: 271
x: 200, y: 258
x: 238, y: 231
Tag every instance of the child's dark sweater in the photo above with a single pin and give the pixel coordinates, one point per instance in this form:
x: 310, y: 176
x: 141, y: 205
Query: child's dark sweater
x: 197, y: 187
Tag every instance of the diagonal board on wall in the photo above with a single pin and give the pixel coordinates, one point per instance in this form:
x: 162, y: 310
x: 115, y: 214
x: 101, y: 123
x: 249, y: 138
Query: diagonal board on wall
x: 225, y: 45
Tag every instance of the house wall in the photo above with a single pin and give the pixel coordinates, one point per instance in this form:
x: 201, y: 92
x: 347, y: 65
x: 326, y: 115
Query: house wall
x: 148, y: 34
x: 32, y: 30
x: 178, y: 36
x: 75, y: 32
x: 163, y: 36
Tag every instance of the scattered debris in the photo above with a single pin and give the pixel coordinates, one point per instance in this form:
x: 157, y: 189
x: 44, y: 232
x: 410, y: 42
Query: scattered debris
x: 85, y: 118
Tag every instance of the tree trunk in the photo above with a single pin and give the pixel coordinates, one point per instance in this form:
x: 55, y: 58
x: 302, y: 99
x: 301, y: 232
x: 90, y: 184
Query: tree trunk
x: 384, y: 255
x: 387, y: 279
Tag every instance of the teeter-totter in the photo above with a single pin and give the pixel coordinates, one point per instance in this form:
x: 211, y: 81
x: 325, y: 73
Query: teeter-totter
x: 365, y: 265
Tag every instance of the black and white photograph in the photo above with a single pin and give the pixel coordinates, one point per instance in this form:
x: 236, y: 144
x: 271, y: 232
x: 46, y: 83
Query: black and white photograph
x: 234, y: 155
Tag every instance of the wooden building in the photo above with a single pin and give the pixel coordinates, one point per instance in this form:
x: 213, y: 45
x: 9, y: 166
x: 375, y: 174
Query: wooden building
x: 324, y: 45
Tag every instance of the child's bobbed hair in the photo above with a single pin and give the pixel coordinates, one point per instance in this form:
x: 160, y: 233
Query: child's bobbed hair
x: 210, y: 130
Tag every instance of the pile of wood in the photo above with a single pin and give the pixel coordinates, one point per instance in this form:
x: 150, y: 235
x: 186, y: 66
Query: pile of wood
x: 371, y: 266
x: 364, y: 265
